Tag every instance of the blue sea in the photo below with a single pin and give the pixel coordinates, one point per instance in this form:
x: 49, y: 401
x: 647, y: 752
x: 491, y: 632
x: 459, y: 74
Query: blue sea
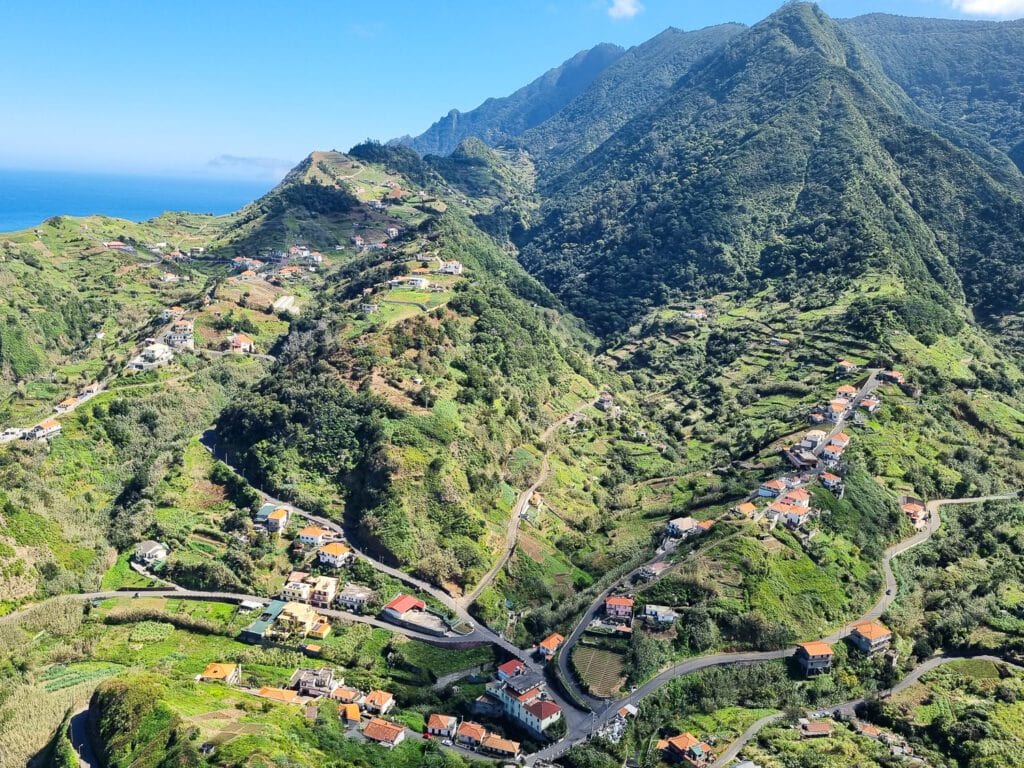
x: 29, y: 197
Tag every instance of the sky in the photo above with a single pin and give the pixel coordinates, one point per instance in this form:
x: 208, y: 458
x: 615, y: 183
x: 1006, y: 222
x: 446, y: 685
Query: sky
x: 246, y: 89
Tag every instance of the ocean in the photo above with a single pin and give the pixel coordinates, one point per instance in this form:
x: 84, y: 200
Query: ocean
x: 29, y: 197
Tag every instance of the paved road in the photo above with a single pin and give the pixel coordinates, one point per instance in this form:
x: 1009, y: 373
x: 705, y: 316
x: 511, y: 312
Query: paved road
x: 848, y: 708
x: 519, y: 508
x: 482, y: 633
x: 582, y: 729
x: 78, y: 733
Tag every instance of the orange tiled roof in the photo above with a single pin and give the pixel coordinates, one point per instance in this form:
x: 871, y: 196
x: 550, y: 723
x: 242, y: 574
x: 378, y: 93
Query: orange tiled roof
x: 872, y: 630
x: 620, y: 600
x: 382, y: 730
x: 817, y: 648
x: 335, y: 549
x: 378, y: 698
x: 350, y: 712
x: 470, y: 730
x: 552, y: 641
x: 217, y: 671
x: 278, y: 514
x: 440, y: 722
x: 746, y: 508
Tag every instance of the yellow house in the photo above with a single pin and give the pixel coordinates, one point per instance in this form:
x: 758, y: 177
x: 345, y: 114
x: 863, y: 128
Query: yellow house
x: 298, y: 617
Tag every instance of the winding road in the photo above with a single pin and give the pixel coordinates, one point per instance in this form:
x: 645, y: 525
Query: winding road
x: 512, y: 532
x: 689, y: 666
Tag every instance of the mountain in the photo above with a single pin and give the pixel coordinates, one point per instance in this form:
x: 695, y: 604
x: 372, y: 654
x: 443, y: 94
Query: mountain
x: 968, y: 73
x: 786, y: 155
x: 497, y: 120
x: 640, y: 79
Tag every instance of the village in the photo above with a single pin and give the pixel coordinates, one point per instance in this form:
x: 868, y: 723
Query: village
x: 785, y: 500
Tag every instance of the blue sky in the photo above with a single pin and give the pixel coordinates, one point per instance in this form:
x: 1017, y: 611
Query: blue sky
x: 236, y: 88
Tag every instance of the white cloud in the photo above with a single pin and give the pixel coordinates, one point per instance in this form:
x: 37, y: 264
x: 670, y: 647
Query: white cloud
x: 992, y: 8
x: 624, y: 9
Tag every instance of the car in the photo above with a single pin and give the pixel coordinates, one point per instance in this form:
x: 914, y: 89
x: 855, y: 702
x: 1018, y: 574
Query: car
x: 447, y: 742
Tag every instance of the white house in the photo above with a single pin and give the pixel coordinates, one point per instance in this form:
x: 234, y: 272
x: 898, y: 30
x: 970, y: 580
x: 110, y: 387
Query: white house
x: 682, y: 526
x: 419, y: 283
x: 150, y: 552
x: 42, y: 430
x: 314, y: 536
x: 451, y: 268
x: 354, y: 597
x: 334, y: 554
x: 660, y: 614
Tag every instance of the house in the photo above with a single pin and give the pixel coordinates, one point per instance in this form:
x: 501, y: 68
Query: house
x: 242, y: 344
x: 314, y: 682
x: 846, y: 392
x: 379, y: 702
x: 841, y: 439
x: 916, y: 512
x: 451, y: 268
x: 258, y: 629
x: 833, y: 452
x: 418, y: 283
x: 334, y: 554
x: 813, y: 439
x: 152, y: 356
x: 349, y: 714
x: 42, y: 430
x: 814, y: 657
x: 278, y: 694
x: 845, y: 366
x: 496, y: 745
x: 290, y: 272
x: 524, y: 698
x: 358, y: 241
x: 690, y: 750
x: 704, y: 525
x: 348, y: 696
x: 67, y: 404
x: 325, y: 588
x: 605, y: 402
x: 816, y: 729
x: 296, y: 587
x: 442, y: 725
x: 771, y: 488
x: 682, y: 526
x: 90, y: 390
x: 115, y: 245
x: 871, y: 404
x: 550, y: 644
x: 354, y: 596
x: 229, y: 674
x: 298, y: 618
x: 837, y: 410
x: 697, y: 313
x: 870, y: 636
x: 401, y: 605
x: 471, y: 734
x: 660, y: 614
x: 273, y: 517
x: 795, y: 516
x: 511, y: 668
x: 627, y: 711
x: 181, y: 335
x: 746, y: 508
x: 150, y: 552
x: 830, y: 481
x: 619, y: 606
x: 384, y: 733
x: 896, y: 377
x: 313, y: 535
x: 869, y: 730
x: 798, y: 497
x: 392, y: 232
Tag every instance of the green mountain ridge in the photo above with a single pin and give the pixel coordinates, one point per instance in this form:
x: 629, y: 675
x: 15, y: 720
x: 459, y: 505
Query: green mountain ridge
x: 497, y: 120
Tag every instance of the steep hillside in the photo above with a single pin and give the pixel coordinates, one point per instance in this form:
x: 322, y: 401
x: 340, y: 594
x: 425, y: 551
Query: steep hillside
x: 786, y: 155
x: 632, y: 85
x: 497, y: 120
x: 967, y: 73
x: 399, y: 408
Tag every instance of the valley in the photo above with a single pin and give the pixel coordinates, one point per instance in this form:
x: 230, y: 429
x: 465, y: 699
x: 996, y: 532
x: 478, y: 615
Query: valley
x: 667, y: 411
